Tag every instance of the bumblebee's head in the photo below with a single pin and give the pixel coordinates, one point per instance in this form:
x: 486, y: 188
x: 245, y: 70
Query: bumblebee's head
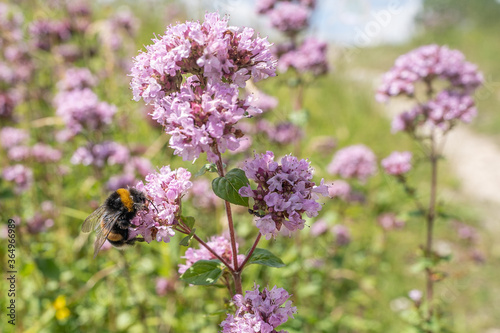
x: 138, y: 198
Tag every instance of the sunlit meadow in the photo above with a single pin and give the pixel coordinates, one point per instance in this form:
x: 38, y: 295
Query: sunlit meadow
x: 292, y: 183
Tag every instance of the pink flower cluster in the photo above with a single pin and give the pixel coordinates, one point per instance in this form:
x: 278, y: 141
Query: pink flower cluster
x: 441, y: 112
x: 108, y: 152
x: 397, y: 163
x: 200, y: 117
x: 339, y: 189
x: 425, y: 64
x: 310, y: 57
x: 165, y: 189
x: 284, y: 192
x: 14, y: 140
x: 221, y: 245
x: 77, y: 79
x: 287, y: 16
x: 442, y: 109
x: 283, y: 133
x: 357, y: 161
x: 82, y: 110
x: 21, y: 175
x: 211, y: 49
x: 200, y: 113
x: 389, y: 221
x: 259, y: 311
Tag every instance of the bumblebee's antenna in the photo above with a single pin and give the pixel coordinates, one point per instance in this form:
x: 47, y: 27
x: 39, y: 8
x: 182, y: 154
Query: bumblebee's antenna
x: 153, y: 205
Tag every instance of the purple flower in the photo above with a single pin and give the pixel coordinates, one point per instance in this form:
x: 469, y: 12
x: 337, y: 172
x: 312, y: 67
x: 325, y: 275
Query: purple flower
x: 221, y: 245
x: 10, y: 137
x: 339, y: 189
x: 124, y: 180
x: 108, y: 152
x: 47, y: 33
x: 342, y: 234
x: 77, y: 79
x: 284, y: 192
x: 165, y: 189
x: 19, y: 153
x: 199, y: 120
x: 415, y: 295
x: 11, y: 20
x: 466, y: 232
x: 425, y: 64
x: 289, y: 17
x: 264, y: 6
x: 211, y: 49
x: 285, y: 133
x: 163, y: 286
x: 81, y: 109
x: 319, y: 227
x: 8, y: 101
x: 389, y: 221
x: 449, y: 107
x: 397, y: 163
x: 259, y: 311
x: 356, y: 161
x: 44, y: 153
x: 20, y: 175
x: 310, y: 57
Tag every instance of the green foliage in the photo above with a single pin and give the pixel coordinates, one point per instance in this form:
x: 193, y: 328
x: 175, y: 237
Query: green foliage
x: 203, y: 272
x: 265, y: 258
x: 227, y: 187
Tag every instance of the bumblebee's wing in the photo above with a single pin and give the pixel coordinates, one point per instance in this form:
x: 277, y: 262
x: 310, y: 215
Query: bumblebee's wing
x: 107, y: 222
x: 92, y: 221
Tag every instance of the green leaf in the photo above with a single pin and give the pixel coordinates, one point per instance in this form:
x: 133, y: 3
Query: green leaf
x: 227, y: 187
x: 189, y: 221
x: 266, y: 258
x: 203, y: 272
x: 209, y: 167
x: 48, y: 267
x: 185, y: 241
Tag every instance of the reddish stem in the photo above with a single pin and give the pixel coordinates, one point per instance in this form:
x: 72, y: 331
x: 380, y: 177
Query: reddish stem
x: 250, y: 253
x: 235, y: 272
x: 187, y: 231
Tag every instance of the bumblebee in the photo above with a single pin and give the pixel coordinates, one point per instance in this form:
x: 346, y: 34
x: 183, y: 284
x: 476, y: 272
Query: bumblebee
x: 111, y: 221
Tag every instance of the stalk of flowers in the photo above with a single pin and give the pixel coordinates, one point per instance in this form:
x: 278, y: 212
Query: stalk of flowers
x: 357, y: 161
x: 200, y: 112
x: 165, y: 189
x: 259, y: 311
x: 222, y: 247
x: 439, y: 110
x: 284, y: 193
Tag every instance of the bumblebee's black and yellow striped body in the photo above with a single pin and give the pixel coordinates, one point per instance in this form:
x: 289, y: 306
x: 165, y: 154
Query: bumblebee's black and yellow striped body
x: 112, y: 220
